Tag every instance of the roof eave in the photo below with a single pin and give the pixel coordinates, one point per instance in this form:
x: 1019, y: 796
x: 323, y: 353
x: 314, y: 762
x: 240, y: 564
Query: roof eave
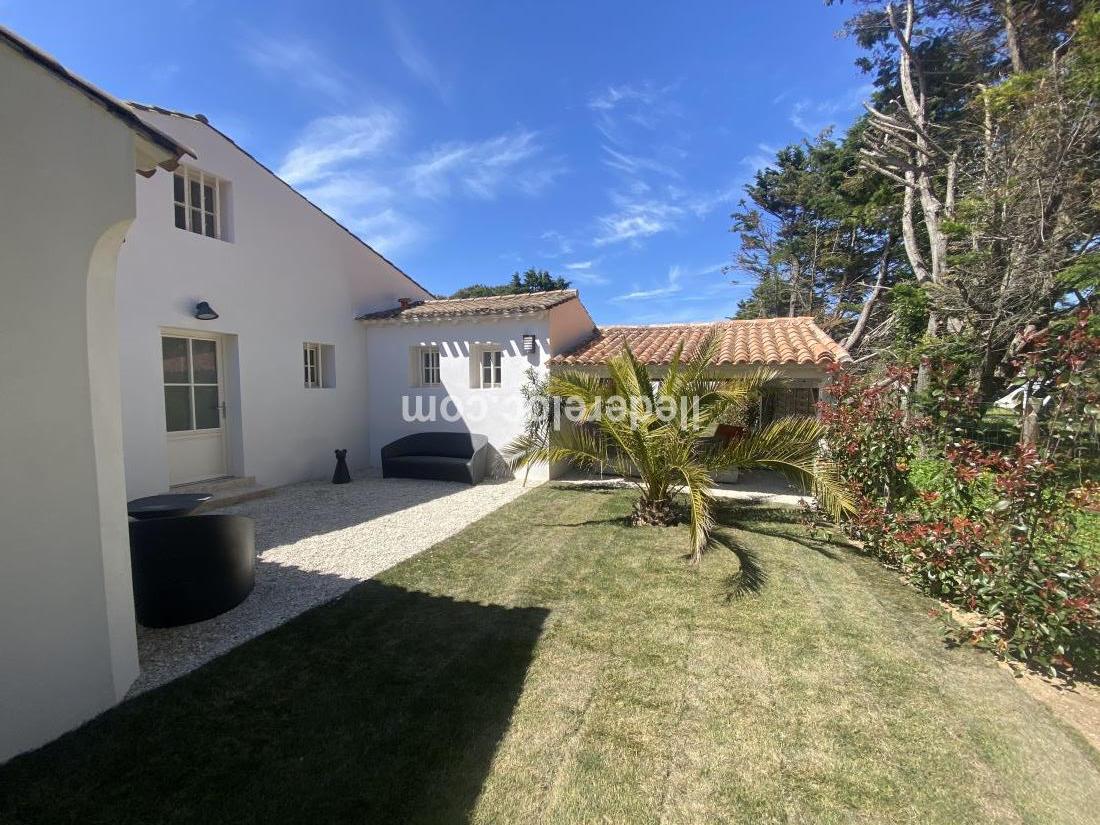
x: 438, y: 319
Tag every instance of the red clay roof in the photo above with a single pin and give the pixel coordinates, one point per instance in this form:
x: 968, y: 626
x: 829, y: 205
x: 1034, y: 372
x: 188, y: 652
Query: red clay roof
x: 441, y: 308
x: 772, y: 341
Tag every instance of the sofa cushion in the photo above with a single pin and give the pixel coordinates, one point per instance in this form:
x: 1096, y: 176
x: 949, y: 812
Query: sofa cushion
x: 456, y: 445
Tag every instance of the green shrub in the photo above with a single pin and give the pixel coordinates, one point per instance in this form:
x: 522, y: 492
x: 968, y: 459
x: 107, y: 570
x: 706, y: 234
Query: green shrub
x: 990, y: 532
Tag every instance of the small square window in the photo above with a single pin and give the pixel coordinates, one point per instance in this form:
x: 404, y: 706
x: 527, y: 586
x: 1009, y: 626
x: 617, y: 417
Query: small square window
x: 197, y: 202
x: 312, y: 364
x: 424, y: 363
x: 491, y: 361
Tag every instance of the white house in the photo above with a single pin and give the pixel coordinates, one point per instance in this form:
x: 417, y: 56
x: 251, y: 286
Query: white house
x: 462, y: 362
x: 278, y: 380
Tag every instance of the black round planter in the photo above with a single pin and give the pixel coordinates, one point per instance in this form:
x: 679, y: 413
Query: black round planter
x: 191, y: 568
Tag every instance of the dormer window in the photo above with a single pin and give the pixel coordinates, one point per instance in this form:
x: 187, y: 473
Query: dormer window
x: 198, y: 198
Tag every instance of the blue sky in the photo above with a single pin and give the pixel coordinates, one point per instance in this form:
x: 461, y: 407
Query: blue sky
x: 604, y: 141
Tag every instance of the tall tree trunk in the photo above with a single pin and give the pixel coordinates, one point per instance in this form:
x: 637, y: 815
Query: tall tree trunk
x: 909, y: 232
x: 1012, y: 40
x: 868, y: 304
x: 795, y: 277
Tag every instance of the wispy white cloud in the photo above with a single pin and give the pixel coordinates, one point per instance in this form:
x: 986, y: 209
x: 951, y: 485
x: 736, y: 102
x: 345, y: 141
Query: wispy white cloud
x: 331, y: 142
x: 615, y: 96
x: 297, y: 61
x: 686, y: 293
x: 411, y: 52
x: 484, y: 168
x: 355, y: 168
x: 671, y: 286
x: 711, y: 269
x: 650, y: 195
x: 635, y: 165
x: 638, y: 213
x: 387, y: 230
x: 639, y: 221
x: 814, y: 116
x: 584, y: 272
x: 703, y: 203
x: 620, y: 109
x: 761, y: 158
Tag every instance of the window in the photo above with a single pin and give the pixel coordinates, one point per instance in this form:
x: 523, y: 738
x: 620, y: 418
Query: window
x: 425, y: 366
x: 191, y: 387
x: 319, y: 365
x: 312, y: 365
x: 196, y: 198
x: 490, y: 368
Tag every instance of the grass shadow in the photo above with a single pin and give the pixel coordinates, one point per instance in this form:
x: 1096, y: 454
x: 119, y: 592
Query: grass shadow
x: 781, y: 523
x: 386, y: 705
x: 622, y: 521
x: 750, y: 578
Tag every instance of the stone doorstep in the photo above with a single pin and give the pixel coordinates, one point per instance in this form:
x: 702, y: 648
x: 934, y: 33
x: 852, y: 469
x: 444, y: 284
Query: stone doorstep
x: 225, y: 491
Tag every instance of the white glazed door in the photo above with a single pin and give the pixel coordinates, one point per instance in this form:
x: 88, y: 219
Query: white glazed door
x: 194, y: 406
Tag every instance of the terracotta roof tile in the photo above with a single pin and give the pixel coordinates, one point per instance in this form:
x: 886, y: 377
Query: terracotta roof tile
x: 766, y: 341
x: 442, y: 308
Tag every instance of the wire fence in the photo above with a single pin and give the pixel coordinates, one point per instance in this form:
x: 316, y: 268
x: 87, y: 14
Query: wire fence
x: 1000, y: 424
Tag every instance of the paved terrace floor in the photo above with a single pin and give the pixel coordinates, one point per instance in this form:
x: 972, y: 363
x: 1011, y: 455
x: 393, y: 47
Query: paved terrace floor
x: 314, y: 541
x: 755, y: 488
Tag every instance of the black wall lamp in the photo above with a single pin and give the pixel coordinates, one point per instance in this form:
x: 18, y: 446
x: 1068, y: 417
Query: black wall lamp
x: 205, y: 312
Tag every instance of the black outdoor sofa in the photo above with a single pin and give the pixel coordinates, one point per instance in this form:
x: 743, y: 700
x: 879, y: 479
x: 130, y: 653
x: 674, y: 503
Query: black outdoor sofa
x: 441, y: 456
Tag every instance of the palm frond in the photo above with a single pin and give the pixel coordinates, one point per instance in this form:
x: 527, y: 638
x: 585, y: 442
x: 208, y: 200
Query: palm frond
x: 582, y: 386
x: 790, y: 446
x: 698, y: 481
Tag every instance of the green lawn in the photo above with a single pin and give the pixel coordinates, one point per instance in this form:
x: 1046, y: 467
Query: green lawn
x: 550, y: 664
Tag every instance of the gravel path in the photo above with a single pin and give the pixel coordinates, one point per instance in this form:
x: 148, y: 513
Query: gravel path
x: 314, y: 541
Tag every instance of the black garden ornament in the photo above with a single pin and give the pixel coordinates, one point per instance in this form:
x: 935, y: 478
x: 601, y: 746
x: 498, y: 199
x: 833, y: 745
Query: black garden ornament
x: 341, y: 476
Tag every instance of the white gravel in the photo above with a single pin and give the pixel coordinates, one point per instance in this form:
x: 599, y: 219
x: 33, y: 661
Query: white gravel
x: 314, y: 541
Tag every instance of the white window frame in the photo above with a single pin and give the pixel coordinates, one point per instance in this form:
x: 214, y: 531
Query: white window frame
x: 490, y: 363
x: 214, y: 210
x: 191, y: 383
x: 428, y: 366
x: 312, y: 367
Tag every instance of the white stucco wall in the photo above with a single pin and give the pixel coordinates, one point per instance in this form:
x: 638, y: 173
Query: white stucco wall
x: 67, y: 643
x: 288, y: 276
x: 496, y: 412
x: 570, y: 324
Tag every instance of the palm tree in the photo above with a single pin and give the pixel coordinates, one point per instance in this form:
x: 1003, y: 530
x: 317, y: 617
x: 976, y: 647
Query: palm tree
x: 665, y: 455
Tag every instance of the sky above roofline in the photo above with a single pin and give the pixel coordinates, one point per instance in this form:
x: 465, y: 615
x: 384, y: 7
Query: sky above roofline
x: 606, y: 142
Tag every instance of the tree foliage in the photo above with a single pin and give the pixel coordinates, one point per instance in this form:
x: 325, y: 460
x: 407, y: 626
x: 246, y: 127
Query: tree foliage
x: 973, y: 177
x: 533, y: 280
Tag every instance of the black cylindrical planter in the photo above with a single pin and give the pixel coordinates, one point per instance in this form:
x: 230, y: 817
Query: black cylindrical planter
x: 191, y: 568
